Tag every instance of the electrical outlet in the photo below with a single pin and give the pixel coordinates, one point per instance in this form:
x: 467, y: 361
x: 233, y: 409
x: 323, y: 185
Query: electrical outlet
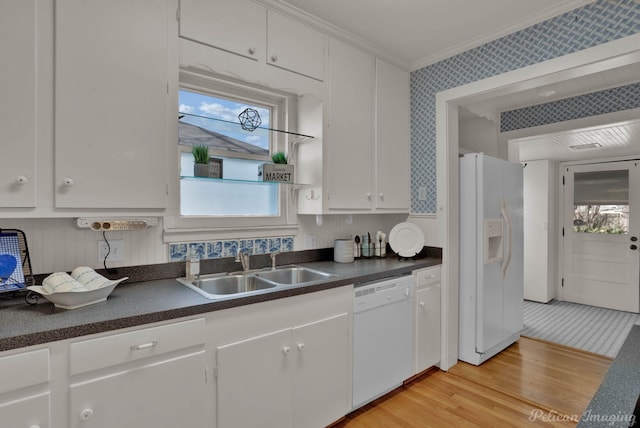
x: 422, y: 193
x: 309, y: 241
x: 115, y: 249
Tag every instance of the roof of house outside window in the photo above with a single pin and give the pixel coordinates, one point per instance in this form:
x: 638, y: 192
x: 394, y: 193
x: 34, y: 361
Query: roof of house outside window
x: 190, y: 135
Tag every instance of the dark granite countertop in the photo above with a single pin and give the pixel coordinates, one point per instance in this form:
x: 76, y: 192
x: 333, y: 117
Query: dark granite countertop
x: 146, y: 302
x: 615, y: 400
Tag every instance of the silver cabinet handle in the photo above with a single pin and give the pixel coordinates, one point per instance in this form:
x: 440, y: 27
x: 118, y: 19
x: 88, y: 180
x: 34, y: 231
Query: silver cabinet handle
x: 144, y: 345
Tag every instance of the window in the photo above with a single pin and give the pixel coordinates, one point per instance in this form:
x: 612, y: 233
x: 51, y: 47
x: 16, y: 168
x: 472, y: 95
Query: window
x: 601, y: 202
x: 208, y: 115
x: 238, y: 204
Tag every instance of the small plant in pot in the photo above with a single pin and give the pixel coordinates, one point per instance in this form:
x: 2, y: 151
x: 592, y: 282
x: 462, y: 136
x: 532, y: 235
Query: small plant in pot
x: 200, y: 160
x: 279, y: 171
x: 279, y: 157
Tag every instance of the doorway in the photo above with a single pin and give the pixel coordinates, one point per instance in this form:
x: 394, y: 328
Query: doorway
x: 588, y: 62
x: 601, y: 223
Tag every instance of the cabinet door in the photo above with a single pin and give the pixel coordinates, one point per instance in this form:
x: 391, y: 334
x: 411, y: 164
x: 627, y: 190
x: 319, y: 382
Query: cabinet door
x: 350, y: 143
x: 254, y: 382
x: 321, y: 376
x: 231, y: 25
x: 165, y: 394
x: 427, y: 327
x: 18, y: 103
x: 29, y: 412
x: 111, y: 103
x: 392, y: 137
x: 294, y: 46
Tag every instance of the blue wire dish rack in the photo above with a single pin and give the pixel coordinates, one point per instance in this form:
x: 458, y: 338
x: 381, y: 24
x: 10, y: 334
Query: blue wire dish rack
x: 15, y: 264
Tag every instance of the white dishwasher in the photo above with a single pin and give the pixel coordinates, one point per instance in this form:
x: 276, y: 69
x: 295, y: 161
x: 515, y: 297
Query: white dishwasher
x: 382, y: 337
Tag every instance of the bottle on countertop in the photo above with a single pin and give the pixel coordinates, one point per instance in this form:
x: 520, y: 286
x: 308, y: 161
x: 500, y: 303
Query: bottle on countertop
x: 366, y: 249
x: 193, y: 264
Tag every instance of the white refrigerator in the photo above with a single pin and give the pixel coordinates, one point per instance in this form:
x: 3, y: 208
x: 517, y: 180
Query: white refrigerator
x: 491, y: 257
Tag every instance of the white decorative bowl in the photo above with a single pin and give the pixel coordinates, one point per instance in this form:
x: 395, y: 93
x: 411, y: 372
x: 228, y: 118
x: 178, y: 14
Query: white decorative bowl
x: 77, y: 299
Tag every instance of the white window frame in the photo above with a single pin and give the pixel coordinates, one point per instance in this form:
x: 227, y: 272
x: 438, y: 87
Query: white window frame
x: 179, y: 228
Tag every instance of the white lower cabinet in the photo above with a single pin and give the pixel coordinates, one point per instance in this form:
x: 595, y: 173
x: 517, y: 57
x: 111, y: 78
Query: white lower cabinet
x: 28, y: 412
x: 281, y: 363
x: 427, y: 343
x: 153, y: 377
x: 169, y: 393
x: 322, y: 352
x: 25, y: 398
x: 293, y: 377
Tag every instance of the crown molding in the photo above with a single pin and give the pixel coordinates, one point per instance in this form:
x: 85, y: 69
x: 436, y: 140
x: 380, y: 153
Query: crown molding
x: 501, y: 32
x: 331, y: 30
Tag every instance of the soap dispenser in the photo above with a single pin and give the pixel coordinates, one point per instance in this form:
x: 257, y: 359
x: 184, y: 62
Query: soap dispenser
x: 193, y: 264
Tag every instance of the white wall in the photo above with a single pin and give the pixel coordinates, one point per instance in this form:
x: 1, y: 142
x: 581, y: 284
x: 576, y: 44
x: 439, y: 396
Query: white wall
x: 540, y: 249
x: 59, y: 245
x: 429, y: 225
x: 479, y: 134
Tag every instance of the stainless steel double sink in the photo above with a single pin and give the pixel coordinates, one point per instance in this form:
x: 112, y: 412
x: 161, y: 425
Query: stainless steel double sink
x: 223, y: 285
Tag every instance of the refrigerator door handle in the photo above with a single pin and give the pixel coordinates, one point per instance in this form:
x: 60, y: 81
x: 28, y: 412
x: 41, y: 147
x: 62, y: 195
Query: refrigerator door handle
x: 507, y: 220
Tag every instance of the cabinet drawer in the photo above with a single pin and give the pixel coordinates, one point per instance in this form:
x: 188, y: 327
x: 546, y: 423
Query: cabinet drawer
x: 25, y: 369
x: 429, y: 276
x: 27, y: 412
x: 104, y: 352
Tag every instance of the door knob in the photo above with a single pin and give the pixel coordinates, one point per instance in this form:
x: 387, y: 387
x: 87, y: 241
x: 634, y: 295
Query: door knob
x: 633, y: 247
x: 86, y: 414
x: 634, y: 238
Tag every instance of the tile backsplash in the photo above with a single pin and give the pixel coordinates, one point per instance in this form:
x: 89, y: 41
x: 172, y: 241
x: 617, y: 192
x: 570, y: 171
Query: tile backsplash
x: 229, y: 248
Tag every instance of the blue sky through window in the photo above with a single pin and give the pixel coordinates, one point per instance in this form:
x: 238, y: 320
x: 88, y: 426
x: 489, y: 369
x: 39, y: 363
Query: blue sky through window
x: 225, y: 110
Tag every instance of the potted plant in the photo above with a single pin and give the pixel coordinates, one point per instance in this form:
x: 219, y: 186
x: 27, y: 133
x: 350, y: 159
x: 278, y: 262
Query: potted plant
x: 279, y: 171
x: 200, y: 160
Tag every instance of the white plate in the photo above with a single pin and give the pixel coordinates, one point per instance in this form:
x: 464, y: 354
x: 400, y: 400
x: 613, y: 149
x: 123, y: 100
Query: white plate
x: 406, y: 239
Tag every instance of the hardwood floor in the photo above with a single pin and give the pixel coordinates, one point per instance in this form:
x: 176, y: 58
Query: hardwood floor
x: 532, y: 383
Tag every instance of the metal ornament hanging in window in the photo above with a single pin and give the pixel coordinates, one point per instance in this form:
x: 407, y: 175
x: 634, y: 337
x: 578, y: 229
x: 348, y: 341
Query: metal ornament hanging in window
x: 249, y: 119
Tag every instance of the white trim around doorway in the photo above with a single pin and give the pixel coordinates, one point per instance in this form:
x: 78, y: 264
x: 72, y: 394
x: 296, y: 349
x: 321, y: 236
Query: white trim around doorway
x: 593, y: 60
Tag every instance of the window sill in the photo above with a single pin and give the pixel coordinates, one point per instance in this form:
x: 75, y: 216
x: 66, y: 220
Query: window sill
x: 183, y: 229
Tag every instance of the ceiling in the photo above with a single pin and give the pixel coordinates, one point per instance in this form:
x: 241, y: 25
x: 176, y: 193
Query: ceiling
x: 416, y: 33
x: 491, y: 107
x: 598, y: 142
x: 420, y: 32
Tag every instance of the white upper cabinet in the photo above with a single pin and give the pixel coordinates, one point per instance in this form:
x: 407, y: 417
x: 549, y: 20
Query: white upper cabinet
x: 350, y: 128
x: 365, y: 144
x: 230, y: 25
x: 245, y: 28
x: 294, y: 46
x: 111, y: 102
x: 392, y: 137
x: 18, y: 104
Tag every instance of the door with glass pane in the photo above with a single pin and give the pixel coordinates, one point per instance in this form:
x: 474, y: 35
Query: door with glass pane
x: 600, y: 245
